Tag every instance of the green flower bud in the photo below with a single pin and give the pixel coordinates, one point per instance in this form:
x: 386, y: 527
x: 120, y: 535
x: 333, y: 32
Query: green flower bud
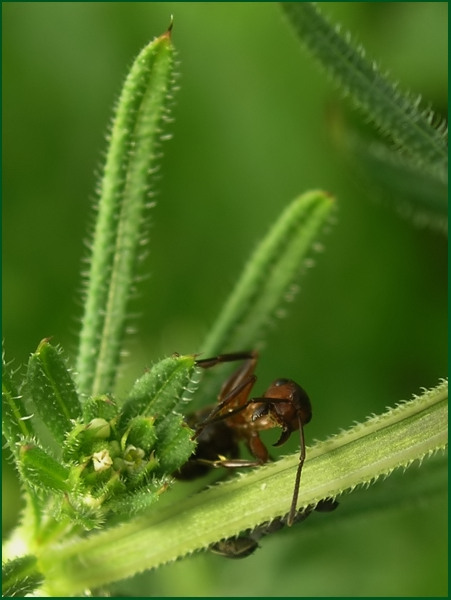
x: 141, y: 433
x: 98, y: 428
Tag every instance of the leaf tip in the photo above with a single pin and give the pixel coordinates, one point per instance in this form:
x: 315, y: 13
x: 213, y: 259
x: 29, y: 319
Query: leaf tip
x: 168, y: 32
x: 43, y: 343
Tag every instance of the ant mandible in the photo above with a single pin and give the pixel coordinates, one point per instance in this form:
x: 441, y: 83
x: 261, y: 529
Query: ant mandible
x: 238, y: 417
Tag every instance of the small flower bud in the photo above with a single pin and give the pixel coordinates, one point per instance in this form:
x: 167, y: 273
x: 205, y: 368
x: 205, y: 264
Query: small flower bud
x: 141, y: 433
x: 133, y: 456
x: 98, y: 428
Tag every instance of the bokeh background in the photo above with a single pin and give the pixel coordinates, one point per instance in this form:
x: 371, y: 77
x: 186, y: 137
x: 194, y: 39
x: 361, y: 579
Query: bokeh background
x: 251, y: 131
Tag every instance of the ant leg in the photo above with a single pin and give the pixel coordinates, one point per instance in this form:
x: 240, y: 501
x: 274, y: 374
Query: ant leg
x: 286, y: 431
x: 237, y: 396
x: 233, y: 399
x: 207, y: 363
x: 232, y: 463
x: 235, y: 390
x: 235, y: 393
x: 241, y: 374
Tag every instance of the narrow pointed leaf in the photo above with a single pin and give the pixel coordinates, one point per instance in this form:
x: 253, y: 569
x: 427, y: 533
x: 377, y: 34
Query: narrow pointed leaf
x: 124, y: 190
x: 160, y: 394
x: 268, y: 278
x: 99, y: 406
x: 159, y: 391
x: 41, y: 471
x: 395, y: 113
x: 175, y: 445
x: 51, y: 390
x: 141, y: 432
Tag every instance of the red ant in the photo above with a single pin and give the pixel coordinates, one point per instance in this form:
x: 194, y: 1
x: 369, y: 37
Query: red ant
x: 237, y: 417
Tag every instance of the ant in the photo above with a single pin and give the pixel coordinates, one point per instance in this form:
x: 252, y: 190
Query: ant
x: 238, y: 417
x: 246, y: 544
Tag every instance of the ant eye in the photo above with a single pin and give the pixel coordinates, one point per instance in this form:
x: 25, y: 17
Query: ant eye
x: 260, y: 411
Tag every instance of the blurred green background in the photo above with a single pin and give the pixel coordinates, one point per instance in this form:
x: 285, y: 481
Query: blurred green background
x: 250, y: 133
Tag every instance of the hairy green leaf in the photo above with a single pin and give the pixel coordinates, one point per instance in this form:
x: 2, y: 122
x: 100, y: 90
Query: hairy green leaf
x: 159, y: 391
x: 99, y: 406
x: 269, y: 276
x: 16, y: 417
x: 159, y: 394
x: 268, y: 280
x: 137, y: 502
x: 175, y: 445
x: 395, y: 113
x: 41, y: 471
x: 20, y: 577
x: 131, y: 157
x: 51, y: 390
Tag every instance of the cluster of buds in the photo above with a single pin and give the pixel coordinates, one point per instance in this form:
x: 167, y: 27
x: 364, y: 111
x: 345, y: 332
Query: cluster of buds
x: 95, y: 459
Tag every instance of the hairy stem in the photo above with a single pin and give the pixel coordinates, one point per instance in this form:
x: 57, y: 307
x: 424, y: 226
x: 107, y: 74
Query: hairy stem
x: 359, y: 456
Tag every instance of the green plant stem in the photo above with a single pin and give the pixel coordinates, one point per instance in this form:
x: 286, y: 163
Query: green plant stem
x: 124, y: 194
x: 411, y: 431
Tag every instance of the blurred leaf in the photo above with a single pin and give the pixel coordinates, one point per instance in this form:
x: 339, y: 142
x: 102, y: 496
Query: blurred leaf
x: 20, y: 577
x: 416, y: 193
x: 16, y: 418
x: 396, y: 114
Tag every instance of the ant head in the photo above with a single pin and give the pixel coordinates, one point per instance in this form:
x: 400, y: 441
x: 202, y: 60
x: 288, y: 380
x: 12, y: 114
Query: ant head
x: 297, y: 403
x: 285, y: 404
